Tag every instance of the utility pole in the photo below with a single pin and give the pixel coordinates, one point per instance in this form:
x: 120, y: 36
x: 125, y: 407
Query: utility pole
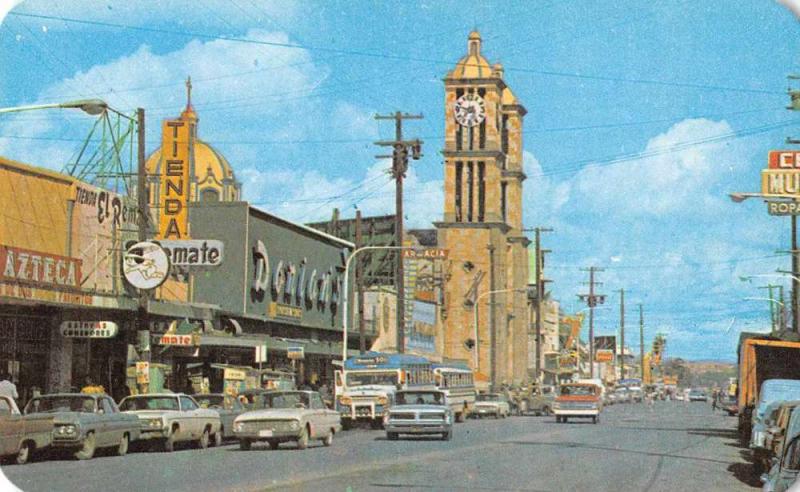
x: 399, y: 167
x: 540, y: 289
x: 492, y: 334
x: 143, y: 323
x: 773, y: 313
x: 591, y: 299
x: 622, y: 333
x: 362, y: 343
x: 794, y: 97
x: 641, y: 342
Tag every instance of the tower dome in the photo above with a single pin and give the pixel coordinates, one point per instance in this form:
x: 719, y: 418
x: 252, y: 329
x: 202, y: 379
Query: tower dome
x: 473, y: 65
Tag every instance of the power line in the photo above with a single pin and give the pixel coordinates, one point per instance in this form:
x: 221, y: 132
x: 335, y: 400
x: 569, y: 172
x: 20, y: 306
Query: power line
x: 387, y: 56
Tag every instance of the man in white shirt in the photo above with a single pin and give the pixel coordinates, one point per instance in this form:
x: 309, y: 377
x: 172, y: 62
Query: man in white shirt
x: 7, y: 388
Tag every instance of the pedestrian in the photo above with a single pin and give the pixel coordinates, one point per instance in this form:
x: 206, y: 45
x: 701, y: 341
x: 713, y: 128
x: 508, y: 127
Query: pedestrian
x: 714, y: 399
x: 89, y: 387
x: 8, y: 388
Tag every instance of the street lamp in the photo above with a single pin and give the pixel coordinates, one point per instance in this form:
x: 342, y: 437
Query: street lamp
x: 92, y: 107
x: 346, y: 278
x: 475, y: 319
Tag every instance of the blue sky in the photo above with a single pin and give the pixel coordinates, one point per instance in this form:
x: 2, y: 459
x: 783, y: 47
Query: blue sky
x: 601, y: 80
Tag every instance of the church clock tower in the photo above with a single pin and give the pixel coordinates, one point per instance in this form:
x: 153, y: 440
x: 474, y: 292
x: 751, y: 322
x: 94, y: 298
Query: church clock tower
x: 482, y: 226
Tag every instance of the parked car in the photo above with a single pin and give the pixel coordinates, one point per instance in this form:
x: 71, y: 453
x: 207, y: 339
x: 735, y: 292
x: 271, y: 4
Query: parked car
x: 622, y: 395
x: 761, y: 453
x: 636, y: 393
x: 493, y: 404
x: 582, y: 400
x: 542, y: 402
x: 697, y: 394
x: 170, y: 418
x: 419, y: 412
x: 286, y: 416
x: 22, y: 435
x: 785, y: 465
x: 82, y: 423
x: 776, y: 432
x: 609, y: 398
x: 228, y: 407
x: 772, y: 391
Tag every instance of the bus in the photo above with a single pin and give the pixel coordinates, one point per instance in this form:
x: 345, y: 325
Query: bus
x: 458, y: 384
x: 366, y: 384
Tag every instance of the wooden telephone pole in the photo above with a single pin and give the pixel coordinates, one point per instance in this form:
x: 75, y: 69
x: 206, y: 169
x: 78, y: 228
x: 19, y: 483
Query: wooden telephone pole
x: 591, y: 299
x: 399, y: 167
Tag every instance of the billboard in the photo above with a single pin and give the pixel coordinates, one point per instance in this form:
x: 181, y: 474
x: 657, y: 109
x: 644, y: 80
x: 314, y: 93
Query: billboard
x: 605, y: 342
x: 174, y: 194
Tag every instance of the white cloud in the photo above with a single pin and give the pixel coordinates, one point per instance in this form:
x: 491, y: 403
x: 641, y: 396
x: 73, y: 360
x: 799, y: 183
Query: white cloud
x: 793, y: 5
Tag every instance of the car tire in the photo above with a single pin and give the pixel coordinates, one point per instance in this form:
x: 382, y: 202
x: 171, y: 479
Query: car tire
x: 446, y: 436
x: 273, y: 445
x: 302, y: 441
x: 245, y: 444
x: 392, y: 436
x: 594, y: 419
x: 169, y: 442
x: 24, y: 453
x: 460, y: 416
x: 88, y: 449
x: 547, y: 411
x: 122, y: 449
x: 218, y: 439
x: 328, y: 440
x: 202, y: 443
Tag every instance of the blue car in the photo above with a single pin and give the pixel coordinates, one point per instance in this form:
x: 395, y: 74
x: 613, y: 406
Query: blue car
x: 786, y: 465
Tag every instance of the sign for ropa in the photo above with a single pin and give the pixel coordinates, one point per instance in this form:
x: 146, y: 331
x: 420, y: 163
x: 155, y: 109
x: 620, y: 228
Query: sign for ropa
x: 89, y: 329
x: 783, y: 208
x: 194, y: 252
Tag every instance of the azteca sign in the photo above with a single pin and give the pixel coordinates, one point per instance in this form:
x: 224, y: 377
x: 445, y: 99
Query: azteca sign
x: 42, y: 269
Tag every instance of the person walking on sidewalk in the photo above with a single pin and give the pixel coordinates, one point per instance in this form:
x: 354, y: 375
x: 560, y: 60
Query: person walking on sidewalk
x: 8, y: 388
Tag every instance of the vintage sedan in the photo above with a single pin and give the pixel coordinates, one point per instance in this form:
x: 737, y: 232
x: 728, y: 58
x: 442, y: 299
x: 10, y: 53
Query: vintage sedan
x: 491, y: 404
x: 228, y: 407
x: 288, y: 416
x: 170, y: 418
x: 21, y: 436
x: 83, y: 423
x: 419, y: 412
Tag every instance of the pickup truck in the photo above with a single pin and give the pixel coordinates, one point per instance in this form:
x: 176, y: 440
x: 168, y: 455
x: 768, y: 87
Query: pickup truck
x: 578, y: 400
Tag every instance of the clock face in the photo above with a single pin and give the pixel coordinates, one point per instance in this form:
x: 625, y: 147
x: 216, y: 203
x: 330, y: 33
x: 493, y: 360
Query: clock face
x: 469, y: 110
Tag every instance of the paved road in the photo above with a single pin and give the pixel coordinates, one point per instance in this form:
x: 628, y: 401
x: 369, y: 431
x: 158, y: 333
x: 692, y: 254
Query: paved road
x: 676, y: 446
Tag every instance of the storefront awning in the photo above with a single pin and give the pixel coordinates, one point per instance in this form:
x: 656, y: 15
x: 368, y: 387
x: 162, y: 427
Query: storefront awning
x: 182, y: 310
x: 274, y: 344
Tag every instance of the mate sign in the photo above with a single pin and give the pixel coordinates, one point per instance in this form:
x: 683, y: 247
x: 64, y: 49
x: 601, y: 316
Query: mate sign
x: 194, y: 252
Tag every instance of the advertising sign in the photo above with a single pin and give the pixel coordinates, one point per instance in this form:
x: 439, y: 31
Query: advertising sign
x: 295, y: 353
x: 605, y: 342
x: 236, y: 374
x: 194, y: 252
x: 145, y: 265
x: 780, y: 182
x: 142, y: 372
x: 261, y: 353
x: 783, y: 208
x: 174, y: 193
x: 425, y: 254
x: 784, y: 159
x: 89, y: 329
x: 177, y: 340
x: 41, y: 269
x: 604, y: 356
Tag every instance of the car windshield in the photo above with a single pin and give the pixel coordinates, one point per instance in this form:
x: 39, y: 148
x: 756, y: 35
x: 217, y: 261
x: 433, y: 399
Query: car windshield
x: 287, y: 399
x: 132, y: 403
x: 47, y: 404
x: 211, y: 401
x: 580, y: 390
x: 488, y: 398
x: 367, y: 378
x: 419, y: 398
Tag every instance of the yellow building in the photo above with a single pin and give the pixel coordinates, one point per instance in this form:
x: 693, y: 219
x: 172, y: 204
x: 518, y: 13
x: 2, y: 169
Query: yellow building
x: 211, y: 178
x: 482, y: 226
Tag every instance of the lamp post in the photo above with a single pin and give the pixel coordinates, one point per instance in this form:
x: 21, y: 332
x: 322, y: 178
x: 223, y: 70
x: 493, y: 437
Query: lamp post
x: 346, y: 291
x: 795, y: 302
x: 766, y: 299
x: 475, y: 320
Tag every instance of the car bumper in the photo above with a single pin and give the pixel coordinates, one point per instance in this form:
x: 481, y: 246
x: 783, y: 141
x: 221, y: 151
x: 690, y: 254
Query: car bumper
x: 264, y: 435
x: 76, y: 442
x: 145, y: 434
x: 485, y: 411
x: 577, y: 413
x: 418, y: 428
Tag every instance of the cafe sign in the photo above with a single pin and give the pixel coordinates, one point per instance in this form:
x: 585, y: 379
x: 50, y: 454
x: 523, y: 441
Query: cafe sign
x: 89, y: 329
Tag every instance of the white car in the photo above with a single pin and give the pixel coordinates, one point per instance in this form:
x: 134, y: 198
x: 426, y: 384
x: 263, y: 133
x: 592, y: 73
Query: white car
x: 286, y: 416
x: 171, y: 418
x: 493, y: 404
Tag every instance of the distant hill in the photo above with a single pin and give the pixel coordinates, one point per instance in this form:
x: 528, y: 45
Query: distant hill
x: 700, y: 373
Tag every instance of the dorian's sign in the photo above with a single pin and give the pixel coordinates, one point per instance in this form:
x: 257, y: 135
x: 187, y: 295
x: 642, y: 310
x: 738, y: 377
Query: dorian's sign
x: 42, y: 269
x: 174, y: 193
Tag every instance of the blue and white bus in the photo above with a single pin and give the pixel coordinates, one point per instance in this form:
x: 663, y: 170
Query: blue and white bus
x: 458, y: 384
x: 366, y: 385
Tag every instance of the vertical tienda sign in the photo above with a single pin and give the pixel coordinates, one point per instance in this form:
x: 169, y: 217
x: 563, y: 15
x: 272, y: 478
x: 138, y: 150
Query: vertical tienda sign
x: 174, y: 193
